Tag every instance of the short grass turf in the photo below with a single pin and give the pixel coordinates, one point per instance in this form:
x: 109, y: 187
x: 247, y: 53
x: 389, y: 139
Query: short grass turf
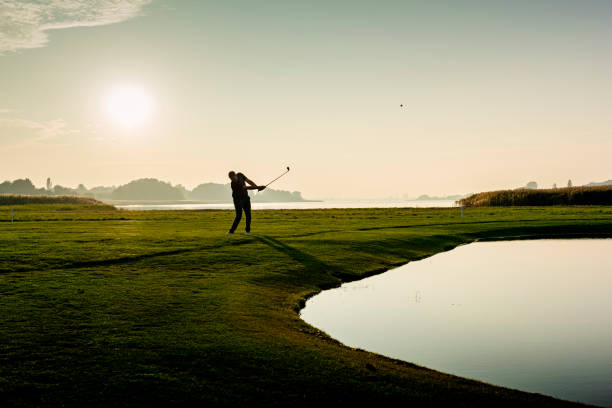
x: 102, y: 307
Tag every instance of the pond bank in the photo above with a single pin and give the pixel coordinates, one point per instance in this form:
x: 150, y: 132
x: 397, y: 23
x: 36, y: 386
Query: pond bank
x: 525, y: 314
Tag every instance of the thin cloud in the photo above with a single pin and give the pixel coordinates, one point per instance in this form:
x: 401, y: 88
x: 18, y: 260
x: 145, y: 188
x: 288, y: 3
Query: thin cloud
x: 24, y: 24
x: 22, y: 133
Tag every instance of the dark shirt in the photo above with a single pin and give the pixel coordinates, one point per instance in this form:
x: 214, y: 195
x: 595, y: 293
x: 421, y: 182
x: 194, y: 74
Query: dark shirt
x: 239, y: 191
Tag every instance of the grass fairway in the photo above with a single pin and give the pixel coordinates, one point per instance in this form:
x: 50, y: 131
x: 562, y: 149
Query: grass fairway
x: 113, y: 308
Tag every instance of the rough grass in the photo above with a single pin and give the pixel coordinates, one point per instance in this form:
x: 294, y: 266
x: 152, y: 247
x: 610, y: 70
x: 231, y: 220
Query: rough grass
x: 116, y: 308
x: 19, y: 199
x: 600, y: 195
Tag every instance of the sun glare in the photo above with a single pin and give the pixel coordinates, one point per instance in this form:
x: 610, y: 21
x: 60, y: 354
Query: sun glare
x: 128, y: 106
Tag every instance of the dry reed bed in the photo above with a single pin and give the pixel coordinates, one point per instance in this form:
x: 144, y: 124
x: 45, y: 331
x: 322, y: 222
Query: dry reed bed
x: 600, y: 195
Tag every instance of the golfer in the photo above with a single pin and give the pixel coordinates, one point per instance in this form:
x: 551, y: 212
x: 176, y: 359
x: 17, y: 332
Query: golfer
x: 242, y: 201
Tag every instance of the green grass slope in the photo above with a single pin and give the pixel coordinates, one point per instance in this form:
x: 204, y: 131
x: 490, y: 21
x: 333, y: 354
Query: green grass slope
x: 115, y: 308
x: 19, y: 199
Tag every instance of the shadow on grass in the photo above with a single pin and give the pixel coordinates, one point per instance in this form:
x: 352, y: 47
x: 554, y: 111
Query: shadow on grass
x: 309, y: 261
x: 123, y: 259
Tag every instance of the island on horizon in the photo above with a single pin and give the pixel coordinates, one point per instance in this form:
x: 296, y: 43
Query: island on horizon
x: 150, y: 191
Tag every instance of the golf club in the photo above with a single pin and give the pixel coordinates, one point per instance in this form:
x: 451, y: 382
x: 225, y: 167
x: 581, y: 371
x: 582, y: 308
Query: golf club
x: 278, y: 177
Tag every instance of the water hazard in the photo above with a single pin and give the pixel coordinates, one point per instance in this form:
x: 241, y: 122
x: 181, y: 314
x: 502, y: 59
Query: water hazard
x: 532, y: 315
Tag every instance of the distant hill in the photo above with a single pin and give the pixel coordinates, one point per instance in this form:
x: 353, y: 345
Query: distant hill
x: 21, y: 186
x: 223, y: 193
x: 101, y: 192
x: 211, y: 192
x: 147, y: 189
x: 26, y: 187
x: 455, y: 197
x: 602, y: 183
x: 276, y: 196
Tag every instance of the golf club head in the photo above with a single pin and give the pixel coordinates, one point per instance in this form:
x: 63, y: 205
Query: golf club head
x: 287, y: 168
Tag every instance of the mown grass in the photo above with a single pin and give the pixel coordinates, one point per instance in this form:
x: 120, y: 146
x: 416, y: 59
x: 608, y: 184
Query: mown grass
x: 102, y: 307
x: 598, y: 195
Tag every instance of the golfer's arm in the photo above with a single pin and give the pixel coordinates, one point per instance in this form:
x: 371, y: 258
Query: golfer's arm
x: 251, y: 188
x: 250, y: 182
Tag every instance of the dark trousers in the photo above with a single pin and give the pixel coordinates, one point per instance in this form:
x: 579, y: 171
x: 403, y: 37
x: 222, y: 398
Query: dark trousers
x: 242, y: 205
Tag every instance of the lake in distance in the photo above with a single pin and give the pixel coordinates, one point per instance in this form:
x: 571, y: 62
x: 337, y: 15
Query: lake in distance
x: 298, y: 205
x: 531, y: 315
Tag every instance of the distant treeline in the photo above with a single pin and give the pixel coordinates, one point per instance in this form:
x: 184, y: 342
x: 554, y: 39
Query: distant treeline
x: 19, y: 199
x: 425, y: 197
x: 146, y: 189
x: 593, y: 195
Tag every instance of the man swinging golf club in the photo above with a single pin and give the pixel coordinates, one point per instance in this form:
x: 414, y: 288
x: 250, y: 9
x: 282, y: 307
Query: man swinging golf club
x: 242, y: 201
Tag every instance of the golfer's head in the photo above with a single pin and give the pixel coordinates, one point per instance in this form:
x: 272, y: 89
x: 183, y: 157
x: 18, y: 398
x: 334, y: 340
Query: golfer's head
x: 232, y: 175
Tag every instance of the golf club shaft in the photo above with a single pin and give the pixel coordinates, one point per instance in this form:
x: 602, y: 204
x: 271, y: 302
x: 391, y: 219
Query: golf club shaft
x: 277, y: 178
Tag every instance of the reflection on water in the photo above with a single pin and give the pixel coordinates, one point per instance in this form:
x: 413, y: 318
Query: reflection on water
x: 532, y: 315
x: 306, y: 205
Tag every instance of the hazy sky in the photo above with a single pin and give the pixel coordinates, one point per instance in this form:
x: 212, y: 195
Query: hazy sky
x: 495, y: 93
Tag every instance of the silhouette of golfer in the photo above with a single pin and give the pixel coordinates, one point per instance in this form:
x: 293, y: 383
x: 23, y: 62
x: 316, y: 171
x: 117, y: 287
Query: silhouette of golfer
x: 242, y: 201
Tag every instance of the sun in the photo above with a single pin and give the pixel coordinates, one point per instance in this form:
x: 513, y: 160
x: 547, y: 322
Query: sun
x: 128, y: 105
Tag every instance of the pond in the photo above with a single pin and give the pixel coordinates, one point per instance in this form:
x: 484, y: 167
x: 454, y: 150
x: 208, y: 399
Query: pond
x: 532, y: 315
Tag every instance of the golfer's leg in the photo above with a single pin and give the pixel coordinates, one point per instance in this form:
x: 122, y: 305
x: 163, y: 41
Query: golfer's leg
x: 247, y: 213
x: 238, y: 208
